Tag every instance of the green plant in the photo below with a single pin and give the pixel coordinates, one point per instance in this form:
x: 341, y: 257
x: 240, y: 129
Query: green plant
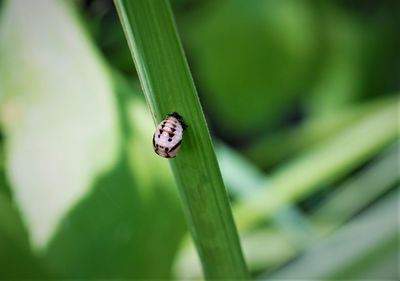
x: 168, y: 87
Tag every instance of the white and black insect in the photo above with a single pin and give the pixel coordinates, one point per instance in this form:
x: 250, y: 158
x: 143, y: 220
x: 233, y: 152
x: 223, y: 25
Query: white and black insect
x: 167, y: 138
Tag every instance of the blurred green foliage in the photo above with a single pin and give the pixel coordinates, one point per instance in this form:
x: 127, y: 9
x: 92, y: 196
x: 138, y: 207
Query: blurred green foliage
x: 304, y: 92
x: 278, y: 38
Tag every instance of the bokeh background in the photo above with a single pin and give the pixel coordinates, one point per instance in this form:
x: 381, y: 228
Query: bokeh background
x: 302, y: 101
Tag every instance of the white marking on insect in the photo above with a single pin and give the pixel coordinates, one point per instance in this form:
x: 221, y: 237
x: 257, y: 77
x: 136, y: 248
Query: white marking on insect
x: 167, y: 137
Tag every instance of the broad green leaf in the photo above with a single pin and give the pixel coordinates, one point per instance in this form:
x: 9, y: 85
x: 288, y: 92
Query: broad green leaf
x: 57, y: 111
x: 122, y: 228
x: 16, y: 259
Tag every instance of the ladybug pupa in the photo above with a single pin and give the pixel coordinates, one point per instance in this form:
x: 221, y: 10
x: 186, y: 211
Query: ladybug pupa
x: 167, y: 138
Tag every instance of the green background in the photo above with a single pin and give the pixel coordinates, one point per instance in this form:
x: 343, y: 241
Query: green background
x: 301, y: 98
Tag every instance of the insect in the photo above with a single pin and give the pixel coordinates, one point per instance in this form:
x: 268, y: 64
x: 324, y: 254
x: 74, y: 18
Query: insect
x: 167, y: 138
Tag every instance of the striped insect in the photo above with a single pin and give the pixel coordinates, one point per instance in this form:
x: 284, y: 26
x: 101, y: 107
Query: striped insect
x: 167, y: 137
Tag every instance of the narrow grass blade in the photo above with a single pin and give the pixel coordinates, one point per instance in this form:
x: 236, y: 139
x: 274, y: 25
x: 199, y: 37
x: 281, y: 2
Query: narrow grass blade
x: 327, y: 162
x: 284, y: 144
x: 359, y: 191
x: 168, y: 87
x: 355, y: 251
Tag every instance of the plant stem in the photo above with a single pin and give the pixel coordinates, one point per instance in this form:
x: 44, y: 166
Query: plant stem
x: 168, y: 87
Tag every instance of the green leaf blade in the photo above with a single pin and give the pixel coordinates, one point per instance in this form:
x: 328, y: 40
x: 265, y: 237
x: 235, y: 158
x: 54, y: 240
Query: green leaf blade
x: 168, y: 87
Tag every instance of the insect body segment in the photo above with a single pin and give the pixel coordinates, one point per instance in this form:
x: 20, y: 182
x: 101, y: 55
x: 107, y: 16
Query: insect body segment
x: 168, y: 135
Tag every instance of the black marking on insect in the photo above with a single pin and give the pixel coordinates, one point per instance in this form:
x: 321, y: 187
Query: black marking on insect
x: 169, y: 135
x: 175, y: 146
